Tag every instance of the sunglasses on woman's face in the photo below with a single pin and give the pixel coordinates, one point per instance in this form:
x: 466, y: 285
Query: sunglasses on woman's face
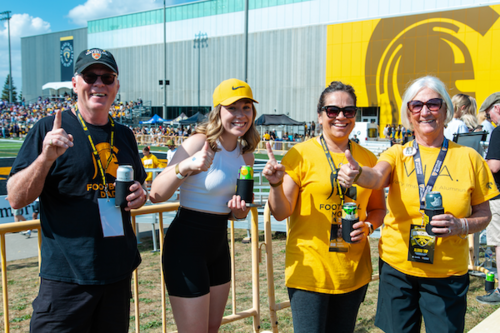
x: 91, y: 78
x: 333, y: 111
x: 434, y: 104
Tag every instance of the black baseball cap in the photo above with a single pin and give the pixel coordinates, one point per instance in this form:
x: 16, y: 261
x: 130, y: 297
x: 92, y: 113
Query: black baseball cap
x: 95, y: 56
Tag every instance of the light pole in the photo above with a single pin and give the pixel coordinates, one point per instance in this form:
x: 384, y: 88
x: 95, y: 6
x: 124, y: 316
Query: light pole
x: 200, y: 40
x: 246, y: 41
x: 5, y: 16
x: 165, y: 60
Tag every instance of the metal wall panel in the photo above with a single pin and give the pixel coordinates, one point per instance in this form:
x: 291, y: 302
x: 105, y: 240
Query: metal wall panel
x: 41, y: 62
x: 286, y: 70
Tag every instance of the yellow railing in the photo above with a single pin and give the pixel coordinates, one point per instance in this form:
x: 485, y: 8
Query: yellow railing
x: 153, y: 209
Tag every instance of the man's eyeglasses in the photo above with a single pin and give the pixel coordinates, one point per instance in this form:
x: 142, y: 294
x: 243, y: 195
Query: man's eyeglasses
x: 91, y: 78
x: 333, y: 111
x: 433, y: 104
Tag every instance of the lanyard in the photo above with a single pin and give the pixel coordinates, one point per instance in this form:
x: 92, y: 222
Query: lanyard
x: 422, y: 188
x: 95, y: 152
x: 334, y: 169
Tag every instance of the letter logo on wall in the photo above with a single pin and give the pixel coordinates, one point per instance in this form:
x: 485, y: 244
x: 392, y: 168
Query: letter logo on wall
x: 405, y: 48
x: 66, y: 55
x: 380, y: 57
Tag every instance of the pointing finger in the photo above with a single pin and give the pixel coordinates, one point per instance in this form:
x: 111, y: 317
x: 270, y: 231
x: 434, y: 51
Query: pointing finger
x: 57, y: 120
x: 270, y: 153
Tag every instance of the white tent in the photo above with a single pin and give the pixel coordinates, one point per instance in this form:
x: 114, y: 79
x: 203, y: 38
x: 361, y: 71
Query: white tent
x: 58, y: 88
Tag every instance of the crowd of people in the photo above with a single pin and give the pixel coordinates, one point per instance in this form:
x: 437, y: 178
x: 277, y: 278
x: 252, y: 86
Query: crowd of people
x: 70, y: 160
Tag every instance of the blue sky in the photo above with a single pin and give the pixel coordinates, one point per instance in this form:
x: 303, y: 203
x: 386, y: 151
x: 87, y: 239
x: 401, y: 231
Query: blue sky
x: 34, y: 17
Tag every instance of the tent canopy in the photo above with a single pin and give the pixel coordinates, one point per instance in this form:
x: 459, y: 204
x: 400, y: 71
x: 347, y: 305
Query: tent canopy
x: 196, y: 118
x: 58, y: 85
x: 155, y: 120
x: 277, y: 119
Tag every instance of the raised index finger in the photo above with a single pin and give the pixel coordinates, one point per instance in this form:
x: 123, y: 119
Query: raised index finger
x: 270, y: 153
x: 57, y: 120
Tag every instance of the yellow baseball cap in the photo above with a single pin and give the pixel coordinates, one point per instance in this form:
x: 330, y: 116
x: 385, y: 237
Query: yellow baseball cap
x: 230, y: 91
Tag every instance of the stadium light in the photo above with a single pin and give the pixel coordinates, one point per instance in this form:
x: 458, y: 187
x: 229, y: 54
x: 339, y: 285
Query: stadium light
x: 5, y: 16
x: 200, y: 40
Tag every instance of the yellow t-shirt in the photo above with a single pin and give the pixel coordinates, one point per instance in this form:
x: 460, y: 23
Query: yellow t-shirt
x: 151, y: 162
x: 309, y: 264
x: 465, y: 180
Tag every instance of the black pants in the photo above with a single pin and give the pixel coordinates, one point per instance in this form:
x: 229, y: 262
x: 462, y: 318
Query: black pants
x: 314, y: 312
x: 68, y: 307
x: 403, y: 300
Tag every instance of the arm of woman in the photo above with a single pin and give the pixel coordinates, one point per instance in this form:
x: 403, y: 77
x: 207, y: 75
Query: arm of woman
x: 451, y: 226
x: 284, y: 192
x: 375, y: 213
x: 375, y: 178
x: 193, y: 156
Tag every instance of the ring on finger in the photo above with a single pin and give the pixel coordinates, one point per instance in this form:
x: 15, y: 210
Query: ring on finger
x: 449, y: 231
x: 50, y: 143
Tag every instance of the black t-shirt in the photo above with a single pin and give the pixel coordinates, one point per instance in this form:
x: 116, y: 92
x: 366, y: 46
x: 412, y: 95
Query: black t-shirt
x: 73, y: 247
x: 494, y: 154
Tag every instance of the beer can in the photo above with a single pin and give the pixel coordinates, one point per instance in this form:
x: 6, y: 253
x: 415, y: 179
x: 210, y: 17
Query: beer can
x: 246, y: 172
x: 490, y: 282
x: 433, y: 200
x: 349, y: 211
x: 125, y: 173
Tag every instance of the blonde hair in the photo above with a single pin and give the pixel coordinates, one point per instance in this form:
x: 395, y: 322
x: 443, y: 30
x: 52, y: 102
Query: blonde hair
x: 213, y: 129
x: 481, y: 116
x: 464, y: 104
x: 470, y: 121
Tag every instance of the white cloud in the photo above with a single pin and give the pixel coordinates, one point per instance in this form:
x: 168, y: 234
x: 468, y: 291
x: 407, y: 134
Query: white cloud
x: 21, y: 25
x: 96, y: 9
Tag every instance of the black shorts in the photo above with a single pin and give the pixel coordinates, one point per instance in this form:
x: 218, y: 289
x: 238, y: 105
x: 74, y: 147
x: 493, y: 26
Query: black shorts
x: 403, y: 300
x: 70, y: 307
x: 196, y: 253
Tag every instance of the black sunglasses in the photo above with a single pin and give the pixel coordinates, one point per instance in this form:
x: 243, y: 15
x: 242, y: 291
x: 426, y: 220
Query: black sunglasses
x: 434, y: 104
x: 333, y: 111
x: 91, y: 78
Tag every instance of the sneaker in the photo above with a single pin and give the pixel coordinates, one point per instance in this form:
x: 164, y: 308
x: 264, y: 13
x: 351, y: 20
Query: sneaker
x: 28, y: 234
x: 492, y: 298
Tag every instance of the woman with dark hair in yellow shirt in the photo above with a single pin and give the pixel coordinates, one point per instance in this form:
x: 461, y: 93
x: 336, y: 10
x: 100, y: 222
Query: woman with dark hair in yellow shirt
x: 327, y: 278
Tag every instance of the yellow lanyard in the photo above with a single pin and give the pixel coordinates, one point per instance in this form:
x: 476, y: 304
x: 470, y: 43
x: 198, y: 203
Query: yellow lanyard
x: 95, y: 152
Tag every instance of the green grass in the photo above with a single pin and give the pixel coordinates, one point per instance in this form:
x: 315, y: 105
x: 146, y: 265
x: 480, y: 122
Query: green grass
x: 9, y: 148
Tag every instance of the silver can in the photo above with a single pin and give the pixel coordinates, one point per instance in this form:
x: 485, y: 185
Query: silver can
x: 125, y: 173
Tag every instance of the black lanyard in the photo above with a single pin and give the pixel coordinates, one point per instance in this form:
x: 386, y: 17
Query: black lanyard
x: 422, y: 188
x: 94, y: 150
x: 334, y: 169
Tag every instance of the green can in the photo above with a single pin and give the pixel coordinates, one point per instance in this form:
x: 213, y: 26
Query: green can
x: 489, y: 284
x: 349, y: 211
x: 246, y: 172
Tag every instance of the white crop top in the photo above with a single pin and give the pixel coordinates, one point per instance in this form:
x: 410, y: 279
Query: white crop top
x: 211, y: 190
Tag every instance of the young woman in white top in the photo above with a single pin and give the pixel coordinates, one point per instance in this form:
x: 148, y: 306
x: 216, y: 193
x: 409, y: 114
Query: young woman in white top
x: 196, y: 261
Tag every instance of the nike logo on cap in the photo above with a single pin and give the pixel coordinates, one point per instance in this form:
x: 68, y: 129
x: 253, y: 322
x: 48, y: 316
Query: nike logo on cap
x: 237, y: 87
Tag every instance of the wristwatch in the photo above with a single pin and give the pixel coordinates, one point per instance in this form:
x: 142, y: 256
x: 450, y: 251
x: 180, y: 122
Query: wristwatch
x: 178, y: 173
x: 371, y: 228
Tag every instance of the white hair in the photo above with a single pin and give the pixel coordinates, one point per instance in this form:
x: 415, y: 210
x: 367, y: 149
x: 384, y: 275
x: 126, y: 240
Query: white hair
x: 418, y: 85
